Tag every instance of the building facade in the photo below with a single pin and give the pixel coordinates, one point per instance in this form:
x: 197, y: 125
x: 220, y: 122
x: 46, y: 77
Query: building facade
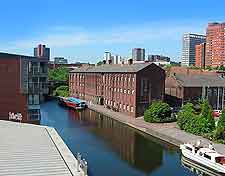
x: 188, y: 51
x: 24, y: 82
x: 138, y: 54
x: 60, y: 60
x: 125, y: 88
x: 200, y: 51
x: 181, y: 88
x: 42, y: 51
x: 215, y: 44
x: 158, y: 58
x: 107, y: 56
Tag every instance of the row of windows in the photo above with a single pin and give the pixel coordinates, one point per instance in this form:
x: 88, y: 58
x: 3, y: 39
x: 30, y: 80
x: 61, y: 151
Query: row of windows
x: 127, y: 108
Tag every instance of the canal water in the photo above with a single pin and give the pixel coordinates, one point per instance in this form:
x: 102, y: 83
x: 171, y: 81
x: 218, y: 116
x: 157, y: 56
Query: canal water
x: 111, y: 148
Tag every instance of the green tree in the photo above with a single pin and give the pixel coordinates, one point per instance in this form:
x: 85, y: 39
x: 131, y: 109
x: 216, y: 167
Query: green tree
x: 58, y: 74
x: 158, y: 112
x: 100, y: 63
x: 220, y: 129
x: 187, y: 112
x: 62, y: 91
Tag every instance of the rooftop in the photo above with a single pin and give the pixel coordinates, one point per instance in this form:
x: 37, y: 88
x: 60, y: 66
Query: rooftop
x: 200, y: 80
x: 9, y: 55
x: 31, y: 150
x: 118, y: 68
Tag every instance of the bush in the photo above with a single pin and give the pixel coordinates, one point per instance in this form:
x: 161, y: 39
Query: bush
x: 158, y: 112
x: 62, y: 91
x: 193, y: 122
x: 220, y: 129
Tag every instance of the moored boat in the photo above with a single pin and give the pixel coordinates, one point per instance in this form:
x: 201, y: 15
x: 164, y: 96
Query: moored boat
x: 205, y: 156
x: 72, y: 102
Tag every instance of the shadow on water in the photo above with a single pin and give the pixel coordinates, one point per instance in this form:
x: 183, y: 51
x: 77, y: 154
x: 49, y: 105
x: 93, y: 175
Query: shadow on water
x: 110, y: 147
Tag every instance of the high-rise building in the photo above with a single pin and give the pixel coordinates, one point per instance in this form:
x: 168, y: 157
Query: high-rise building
x: 42, y: 51
x: 188, y: 51
x: 107, y: 56
x: 116, y: 59
x: 200, y: 55
x: 60, y: 60
x: 215, y: 44
x: 138, y: 54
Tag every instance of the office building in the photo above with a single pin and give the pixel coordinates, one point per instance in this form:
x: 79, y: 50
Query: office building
x: 138, y: 54
x: 42, y: 51
x: 200, y: 55
x: 215, y: 44
x: 60, y: 60
x: 24, y: 83
x: 188, y: 51
x: 127, y: 88
x: 116, y: 59
x: 107, y: 57
x: 158, y: 58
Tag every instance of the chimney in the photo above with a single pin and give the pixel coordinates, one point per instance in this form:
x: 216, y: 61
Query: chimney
x: 130, y: 61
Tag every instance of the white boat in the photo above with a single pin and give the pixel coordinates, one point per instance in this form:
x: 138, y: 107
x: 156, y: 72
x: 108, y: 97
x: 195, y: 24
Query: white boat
x: 206, y: 156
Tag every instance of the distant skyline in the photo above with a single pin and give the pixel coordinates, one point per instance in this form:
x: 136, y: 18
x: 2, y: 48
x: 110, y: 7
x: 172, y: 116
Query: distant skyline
x: 84, y: 30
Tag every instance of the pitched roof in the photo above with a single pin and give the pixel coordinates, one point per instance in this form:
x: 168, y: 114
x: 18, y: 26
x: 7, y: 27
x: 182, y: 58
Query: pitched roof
x: 108, y: 68
x: 200, y: 80
x: 33, y: 150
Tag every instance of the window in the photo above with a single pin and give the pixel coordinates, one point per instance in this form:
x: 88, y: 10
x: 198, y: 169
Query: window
x: 128, y: 92
x: 128, y: 108
x: 34, y: 99
x: 132, y: 109
x: 120, y: 105
x: 124, y: 107
x: 207, y: 156
x: 34, y: 114
x: 132, y: 91
x: 125, y: 91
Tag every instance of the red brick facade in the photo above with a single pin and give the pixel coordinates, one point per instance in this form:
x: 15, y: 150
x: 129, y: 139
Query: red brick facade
x: 200, y: 55
x: 127, y: 92
x: 11, y: 98
x: 215, y: 44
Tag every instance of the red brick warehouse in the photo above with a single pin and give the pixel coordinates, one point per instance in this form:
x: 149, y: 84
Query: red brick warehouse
x: 127, y: 88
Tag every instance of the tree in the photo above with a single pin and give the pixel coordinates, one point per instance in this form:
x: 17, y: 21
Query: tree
x: 100, y: 63
x: 158, y: 112
x: 59, y: 74
x: 220, y: 129
x: 186, y: 114
x: 62, y: 91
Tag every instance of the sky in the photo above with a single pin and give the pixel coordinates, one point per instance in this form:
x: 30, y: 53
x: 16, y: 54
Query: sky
x: 84, y: 30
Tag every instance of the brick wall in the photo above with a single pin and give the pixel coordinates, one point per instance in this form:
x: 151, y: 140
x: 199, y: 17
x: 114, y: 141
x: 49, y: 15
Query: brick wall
x: 11, y: 100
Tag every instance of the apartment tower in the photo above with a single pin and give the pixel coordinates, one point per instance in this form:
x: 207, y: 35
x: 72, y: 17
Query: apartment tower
x: 188, y: 51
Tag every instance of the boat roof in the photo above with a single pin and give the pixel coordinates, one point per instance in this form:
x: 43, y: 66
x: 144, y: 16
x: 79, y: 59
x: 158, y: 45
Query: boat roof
x: 76, y: 100
x: 210, y: 152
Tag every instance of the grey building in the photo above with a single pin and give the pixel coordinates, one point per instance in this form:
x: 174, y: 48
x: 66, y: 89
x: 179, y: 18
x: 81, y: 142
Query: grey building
x: 188, y: 51
x: 138, y: 54
x: 158, y: 58
x: 60, y: 60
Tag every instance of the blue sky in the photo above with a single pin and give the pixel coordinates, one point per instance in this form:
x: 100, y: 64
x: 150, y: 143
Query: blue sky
x: 83, y: 30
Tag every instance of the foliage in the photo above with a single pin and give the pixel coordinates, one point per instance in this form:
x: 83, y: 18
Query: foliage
x: 62, y: 91
x: 99, y: 63
x: 220, y: 130
x: 58, y: 74
x: 158, y: 112
x: 197, y: 123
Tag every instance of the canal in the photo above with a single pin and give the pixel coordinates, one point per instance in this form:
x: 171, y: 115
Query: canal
x: 110, y: 147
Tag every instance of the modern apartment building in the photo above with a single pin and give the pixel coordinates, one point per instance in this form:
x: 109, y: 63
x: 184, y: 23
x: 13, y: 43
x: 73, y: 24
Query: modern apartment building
x: 200, y: 51
x: 158, y: 58
x: 60, y: 60
x: 138, y: 54
x: 188, y: 51
x: 128, y: 88
x: 42, y: 51
x: 24, y: 82
x: 215, y: 44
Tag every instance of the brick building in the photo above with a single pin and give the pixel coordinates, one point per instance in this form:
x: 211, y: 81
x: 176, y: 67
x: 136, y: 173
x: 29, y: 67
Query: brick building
x: 126, y: 88
x: 215, y: 44
x: 23, y: 84
x: 200, y: 55
x: 182, y: 88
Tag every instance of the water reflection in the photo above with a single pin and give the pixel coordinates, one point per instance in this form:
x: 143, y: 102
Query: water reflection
x: 111, y: 148
x: 137, y: 150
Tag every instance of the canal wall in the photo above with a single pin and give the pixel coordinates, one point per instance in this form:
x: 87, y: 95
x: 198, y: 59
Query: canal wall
x: 168, y: 132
